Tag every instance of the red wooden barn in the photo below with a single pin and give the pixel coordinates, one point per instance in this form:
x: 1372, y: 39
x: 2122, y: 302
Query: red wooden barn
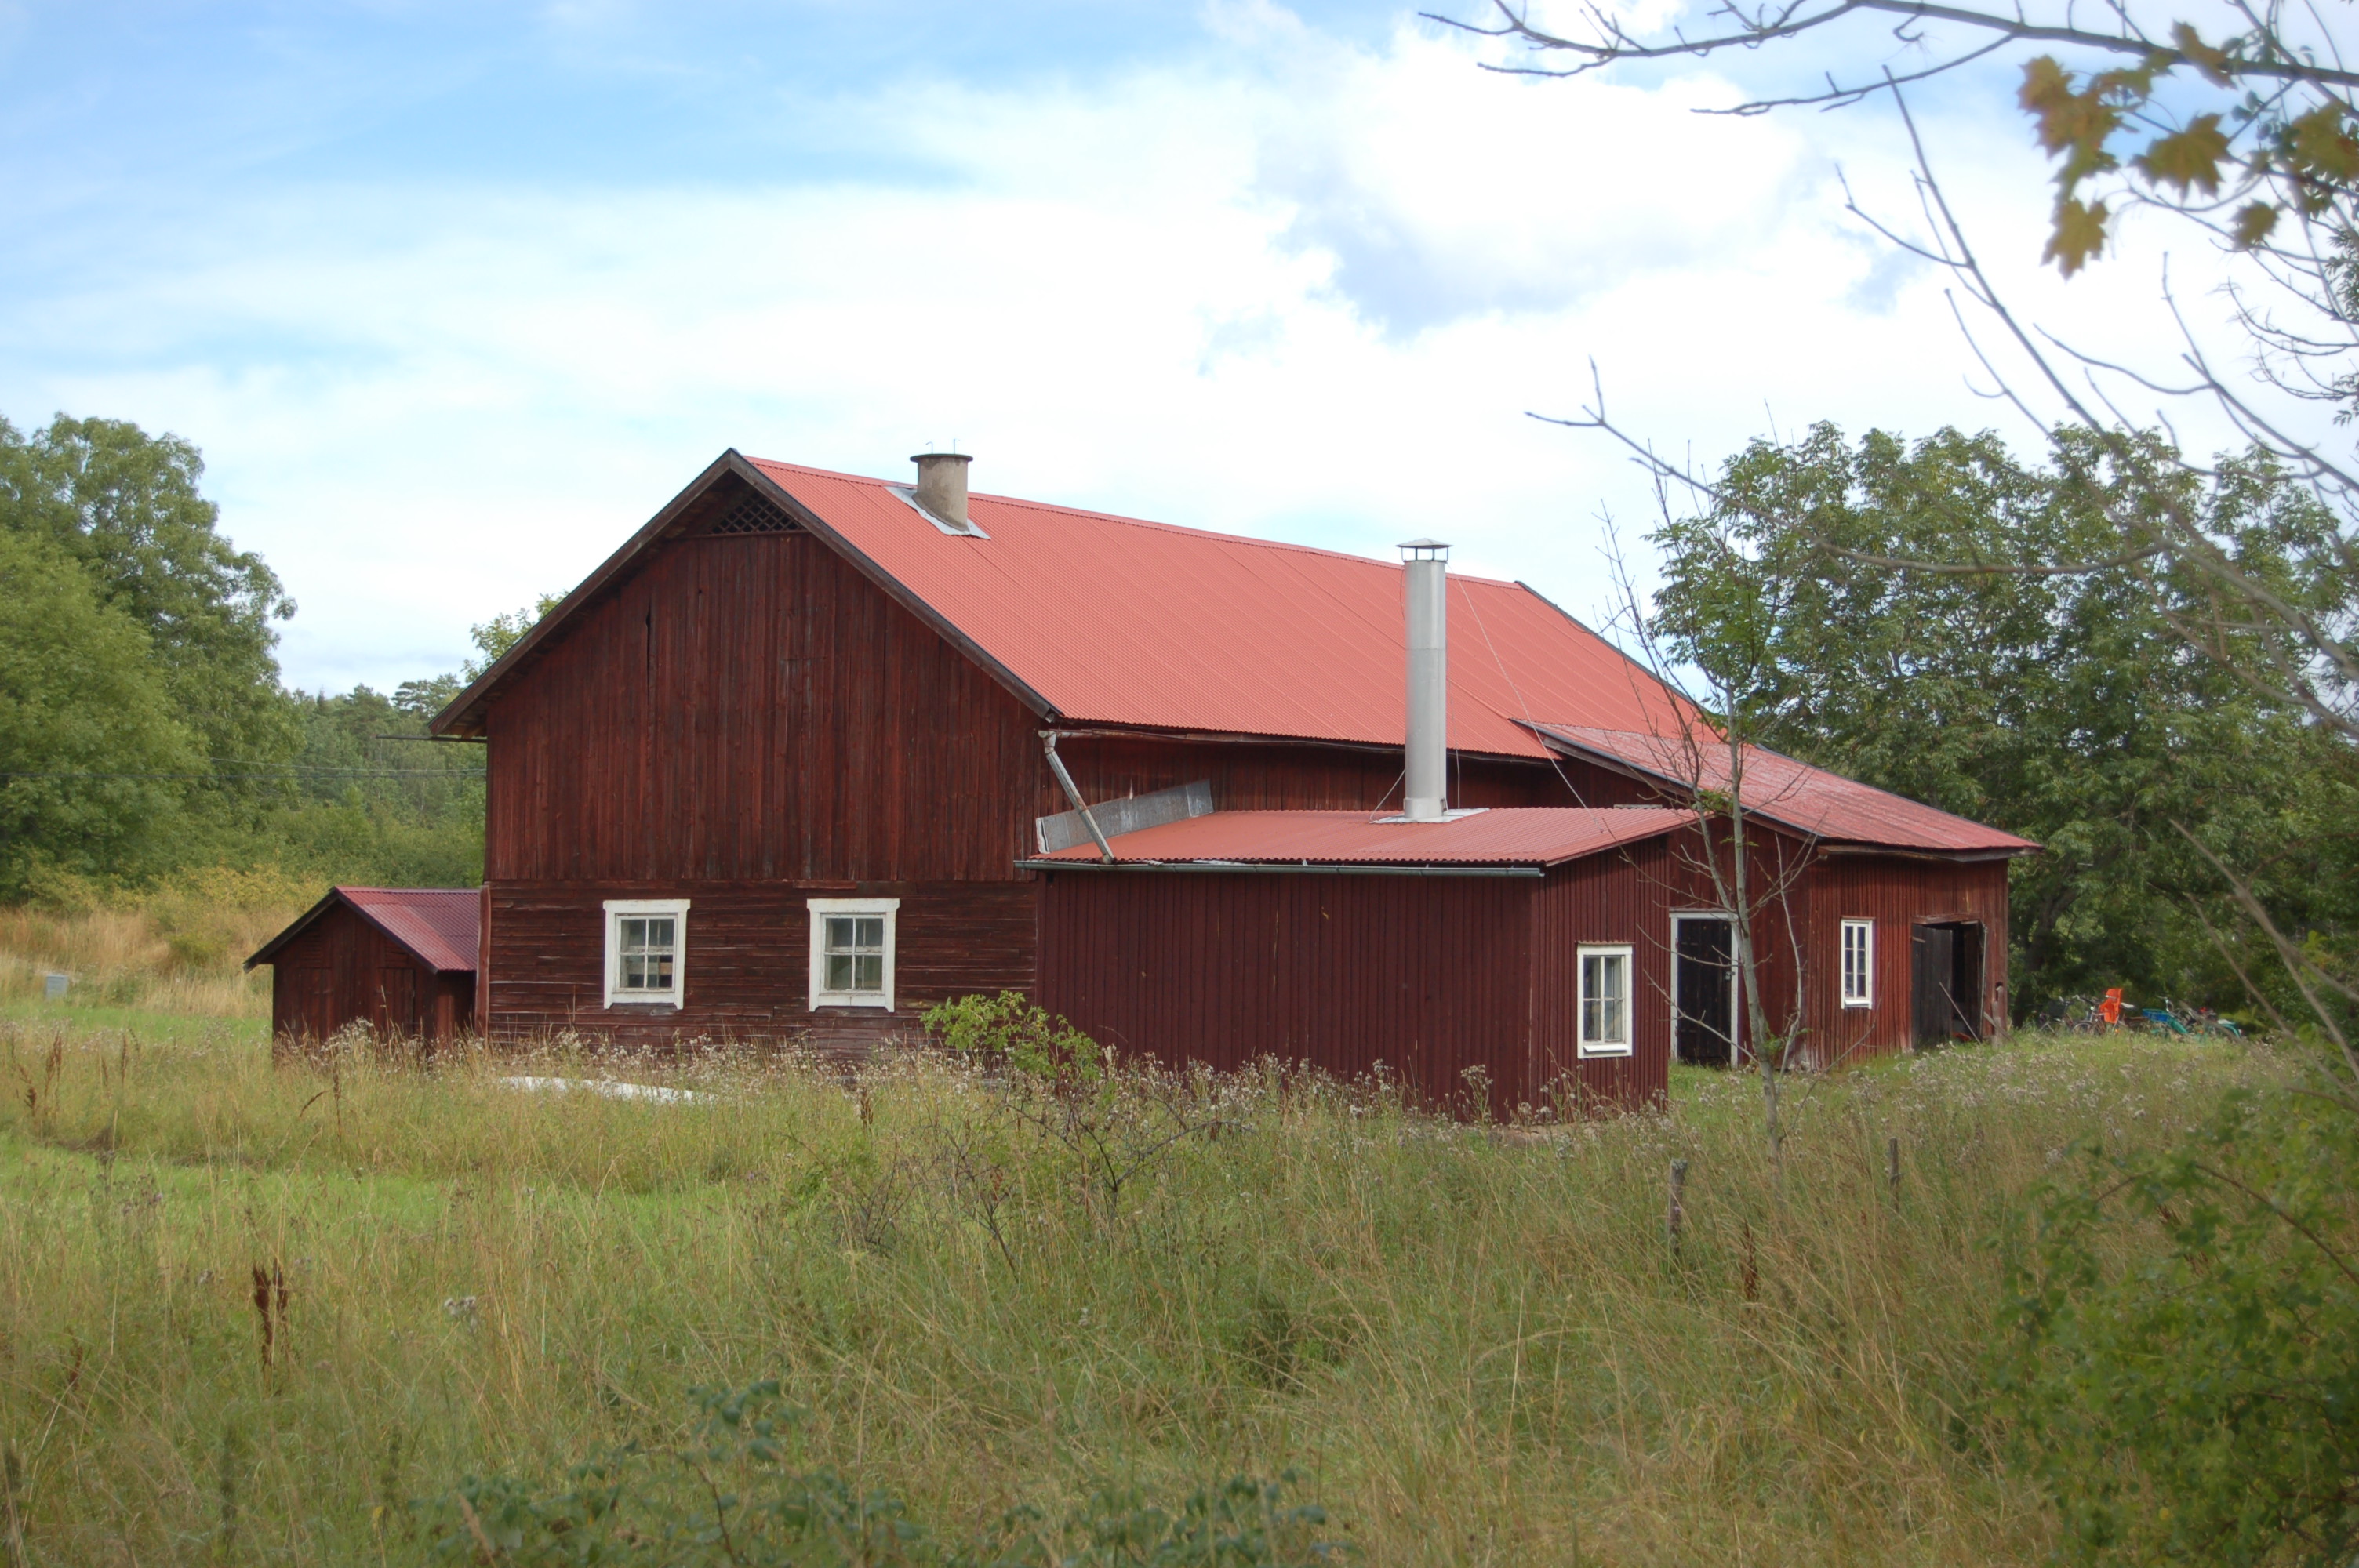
x: 811, y: 752
x: 401, y: 960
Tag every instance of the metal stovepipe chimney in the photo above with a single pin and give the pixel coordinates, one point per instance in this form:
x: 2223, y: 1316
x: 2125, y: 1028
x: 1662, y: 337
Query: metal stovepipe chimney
x: 1426, y: 566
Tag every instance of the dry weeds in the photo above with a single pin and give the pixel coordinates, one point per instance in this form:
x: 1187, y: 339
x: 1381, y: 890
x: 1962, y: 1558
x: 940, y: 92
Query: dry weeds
x: 1477, y: 1348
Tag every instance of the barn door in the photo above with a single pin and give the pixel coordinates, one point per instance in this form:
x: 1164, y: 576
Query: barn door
x: 1703, y: 965
x: 393, y: 1008
x: 1946, y: 981
x: 1966, y: 982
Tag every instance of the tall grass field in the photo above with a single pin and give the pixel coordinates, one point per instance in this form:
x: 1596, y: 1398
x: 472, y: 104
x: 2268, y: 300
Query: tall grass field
x: 360, y: 1311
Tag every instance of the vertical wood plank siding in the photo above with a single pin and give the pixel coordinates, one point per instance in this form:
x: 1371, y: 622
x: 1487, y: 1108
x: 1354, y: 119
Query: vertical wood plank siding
x: 336, y: 973
x: 749, y: 706
x: 1428, y: 976
x: 1623, y: 896
x: 1899, y: 894
x: 1435, y: 977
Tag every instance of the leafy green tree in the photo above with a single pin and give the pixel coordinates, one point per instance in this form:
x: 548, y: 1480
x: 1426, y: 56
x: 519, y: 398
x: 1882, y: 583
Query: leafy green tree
x: 501, y: 633
x: 2067, y: 707
x: 125, y: 506
x: 93, y: 761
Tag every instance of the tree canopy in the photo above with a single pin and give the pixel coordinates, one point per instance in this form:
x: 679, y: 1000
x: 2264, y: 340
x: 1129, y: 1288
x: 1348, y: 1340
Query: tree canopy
x: 125, y: 506
x: 94, y: 758
x: 2066, y: 706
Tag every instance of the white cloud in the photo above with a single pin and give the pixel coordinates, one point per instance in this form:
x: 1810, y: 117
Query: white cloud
x: 1311, y: 297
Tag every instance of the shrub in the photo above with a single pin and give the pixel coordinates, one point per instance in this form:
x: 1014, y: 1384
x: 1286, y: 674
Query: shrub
x: 2185, y: 1375
x: 1029, y: 1040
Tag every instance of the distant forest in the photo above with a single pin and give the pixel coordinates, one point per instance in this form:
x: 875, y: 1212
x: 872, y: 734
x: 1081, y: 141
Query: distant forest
x: 145, y: 731
x: 145, y: 734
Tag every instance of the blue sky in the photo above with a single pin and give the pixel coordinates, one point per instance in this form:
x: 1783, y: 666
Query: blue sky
x: 454, y: 295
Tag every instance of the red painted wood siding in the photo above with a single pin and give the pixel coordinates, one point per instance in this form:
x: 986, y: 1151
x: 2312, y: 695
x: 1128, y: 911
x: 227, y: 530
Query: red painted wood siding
x: 747, y: 959
x: 345, y: 970
x: 1428, y: 975
x: 751, y: 706
x: 1898, y: 893
x: 1623, y: 896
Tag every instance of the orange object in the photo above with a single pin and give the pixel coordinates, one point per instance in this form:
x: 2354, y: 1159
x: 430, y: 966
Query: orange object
x: 2110, y: 1009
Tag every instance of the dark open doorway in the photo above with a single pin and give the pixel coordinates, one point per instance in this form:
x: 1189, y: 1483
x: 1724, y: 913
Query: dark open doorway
x: 1946, y: 970
x: 1704, y: 989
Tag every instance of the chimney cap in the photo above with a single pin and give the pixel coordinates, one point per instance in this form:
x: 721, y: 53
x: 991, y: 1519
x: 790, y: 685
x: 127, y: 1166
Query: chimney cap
x: 1424, y: 550
x: 938, y: 457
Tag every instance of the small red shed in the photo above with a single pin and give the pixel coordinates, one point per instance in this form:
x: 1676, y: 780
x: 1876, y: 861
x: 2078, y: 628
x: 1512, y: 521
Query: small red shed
x: 401, y: 960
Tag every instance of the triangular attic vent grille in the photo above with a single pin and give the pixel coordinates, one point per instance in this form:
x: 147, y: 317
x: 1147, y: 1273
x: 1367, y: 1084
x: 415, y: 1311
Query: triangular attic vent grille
x: 753, y: 515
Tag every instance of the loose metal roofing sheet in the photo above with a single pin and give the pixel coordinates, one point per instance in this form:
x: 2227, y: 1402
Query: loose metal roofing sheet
x: 441, y: 926
x: 1808, y: 799
x: 1115, y: 621
x: 1507, y: 836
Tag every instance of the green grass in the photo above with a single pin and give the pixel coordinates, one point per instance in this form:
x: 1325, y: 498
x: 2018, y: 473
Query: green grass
x: 1472, y: 1343
x: 37, y: 1017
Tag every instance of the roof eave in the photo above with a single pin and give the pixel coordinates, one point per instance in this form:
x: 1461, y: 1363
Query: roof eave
x: 336, y: 895
x: 1828, y: 842
x: 269, y: 951
x: 465, y: 717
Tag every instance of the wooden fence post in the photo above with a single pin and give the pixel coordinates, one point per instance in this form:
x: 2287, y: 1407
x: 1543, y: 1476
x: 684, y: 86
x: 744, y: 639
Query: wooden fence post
x: 1892, y: 1166
x: 1672, y: 1212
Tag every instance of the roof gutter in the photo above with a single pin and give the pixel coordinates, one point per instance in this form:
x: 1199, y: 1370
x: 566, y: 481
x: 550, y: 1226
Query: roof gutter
x: 1296, y: 868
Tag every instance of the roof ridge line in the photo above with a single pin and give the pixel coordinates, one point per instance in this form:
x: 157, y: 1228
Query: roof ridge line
x: 1187, y: 528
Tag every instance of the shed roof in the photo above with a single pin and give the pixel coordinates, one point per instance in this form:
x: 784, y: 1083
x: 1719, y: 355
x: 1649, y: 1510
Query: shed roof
x: 440, y: 926
x: 1807, y: 799
x: 1503, y: 836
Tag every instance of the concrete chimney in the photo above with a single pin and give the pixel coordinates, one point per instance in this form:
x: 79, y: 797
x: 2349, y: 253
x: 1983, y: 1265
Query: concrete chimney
x: 1425, y: 567
x: 941, y: 485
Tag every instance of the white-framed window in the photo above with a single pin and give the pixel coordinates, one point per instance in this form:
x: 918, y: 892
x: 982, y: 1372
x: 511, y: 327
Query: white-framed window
x: 1604, y: 1001
x: 1859, y: 963
x: 647, y: 951
x: 852, y: 952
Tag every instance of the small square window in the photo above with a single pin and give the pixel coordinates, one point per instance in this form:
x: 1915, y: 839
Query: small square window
x: 647, y: 951
x: 852, y: 952
x: 1604, y: 1001
x: 1859, y: 963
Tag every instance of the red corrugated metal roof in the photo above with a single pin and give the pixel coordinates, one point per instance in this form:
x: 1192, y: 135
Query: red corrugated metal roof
x: 1112, y: 620
x: 1115, y: 621
x: 441, y: 926
x: 1809, y: 799
x: 1507, y: 836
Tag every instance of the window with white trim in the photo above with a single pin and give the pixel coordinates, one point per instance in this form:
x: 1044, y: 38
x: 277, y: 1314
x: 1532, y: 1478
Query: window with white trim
x: 647, y: 951
x: 1859, y: 963
x: 852, y: 951
x: 1605, y: 1002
